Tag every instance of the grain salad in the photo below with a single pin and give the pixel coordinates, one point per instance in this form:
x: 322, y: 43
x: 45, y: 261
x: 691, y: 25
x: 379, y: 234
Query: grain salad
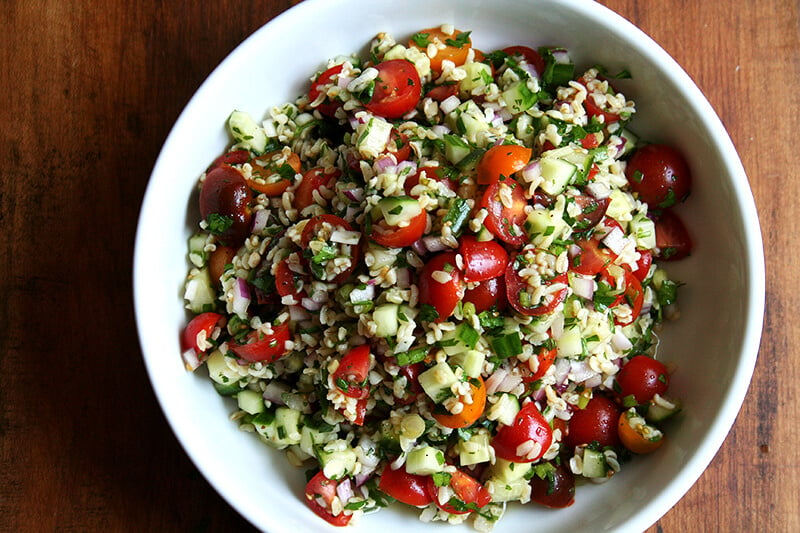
x: 435, y: 279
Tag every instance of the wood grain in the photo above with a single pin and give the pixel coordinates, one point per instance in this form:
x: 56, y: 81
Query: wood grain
x: 89, y: 91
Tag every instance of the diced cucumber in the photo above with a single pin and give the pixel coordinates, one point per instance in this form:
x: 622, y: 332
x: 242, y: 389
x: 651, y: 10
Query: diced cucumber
x: 197, y: 253
x: 337, y: 459
x: 468, y: 120
x: 386, y: 321
x: 471, y: 160
x: 399, y: 209
x: 519, y: 97
x: 644, y: 231
x: 455, y: 148
x: 631, y: 140
x: 424, y: 461
x: 570, y: 344
x: 504, y: 410
x: 199, y: 293
x: 594, y: 463
x: 437, y: 380
x: 246, y: 132
x: 544, y: 225
x: 619, y: 206
x: 390, y: 437
x: 311, y: 437
x: 279, y: 428
x: 503, y: 470
x: 661, y: 409
x: 219, y: 372
x: 372, y: 137
x: 478, y: 75
x: 508, y: 491
x: 471, y: 361
x: 582, y: 160
x: 475, y: 450
x: 557, y: 174
x: 250, y: 401
x: 464, y: 337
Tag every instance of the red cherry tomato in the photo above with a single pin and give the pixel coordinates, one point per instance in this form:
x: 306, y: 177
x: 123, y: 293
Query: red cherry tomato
x: 529, y: 425
x: 264, y: 348
x: 488, y: 293
x: 517, y: 292
x: 398, y: 145
x: 500, y: 161
x: 634, y: 296
x: 596, y: 422
x: 351, y: 375
x: 643, y: 265
x: 397, y: 89
x: 531, y: 56
x: 442, y: 92
x: 327, y: 107
x: 205, y: 322
x: 660, y: 175
x: 398, y: 237
x: 592, y: 140
x: 546, y: 358
x: 320, y: 492
x: 592, y: 212
x: 313, y: 229
x: 557, y: 490
x: 442, y: 295
x: 505, y: 222
x: 641, y: 378
x: 404, y: 487
x: 286, y: 281
x: 591, y: 259
x: 313, y: 180
x: 234, y: 157
x: 482, y: 259
x: 594, y: 110
x: 672, y: 237
x: 468, y: 491
x: 226, y: 198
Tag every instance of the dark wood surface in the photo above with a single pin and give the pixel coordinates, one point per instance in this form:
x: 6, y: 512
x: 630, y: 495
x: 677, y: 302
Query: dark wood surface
x: 89, y: 91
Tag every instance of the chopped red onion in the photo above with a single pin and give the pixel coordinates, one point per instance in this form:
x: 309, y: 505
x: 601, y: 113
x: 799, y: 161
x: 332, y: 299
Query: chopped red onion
x: 297, y: 313
x: 344, y: 490
x: 260, y: 218
x: 345, y: 237
x: 274, y: 392
x: 449, y: 104
x: 615, y: 240
x: 583, y: 287
x: 530, y: 69
x: 361, y: 478
x: 598, y: 190
x: 356, y: 195
x: 620, y: 342
x: 509, y: 383
x: 310, y: 304
x: 408, y: 167
x: 191, y: 359
x: 532, y: 172
x: 419, y: 247
x: 434, y: 243
x: 539, y: 394
x: 594, y: 381
x: 561, y: 370
x: 241, y: 297
x: 344, y: 81
x: 403, y: 278
x: 561, y: 55
x: 581, y: 371
x: 494, y: 381
x: 385, y: 163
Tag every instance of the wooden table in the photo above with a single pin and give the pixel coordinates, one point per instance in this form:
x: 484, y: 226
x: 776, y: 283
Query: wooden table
x: 89, y: 91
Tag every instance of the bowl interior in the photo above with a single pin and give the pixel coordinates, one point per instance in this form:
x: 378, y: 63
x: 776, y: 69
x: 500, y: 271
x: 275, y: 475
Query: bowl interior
x: 713, y: 345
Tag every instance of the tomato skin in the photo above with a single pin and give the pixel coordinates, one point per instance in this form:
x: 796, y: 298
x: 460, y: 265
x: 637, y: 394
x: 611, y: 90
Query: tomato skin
x: 466, y: 488
x: 234, y: 157
x: 285, y: 281
x: 312, y: 228
x: 203, y: 322
x: 546, y: 359
x: 515, y: 286
x: 219, y: 258
x: 488, y: 293
x: 326, y: 108
x: 529, y: 424
x: 266, y: 349
x: 225, y: 193
x: 353, y: 371
x: 397, y: 237
x: 457, y: 55
x: 472, y: 411
x: 442, y: 296
x: 591, y: 259
x: 483, y: 260
x: 506, y: 223
x: 594, y: 110
x: 313, y: 180
x: 632, y: 439
x: 642, y: 378
x: 672, y: 237
x: 322, y: 487
x: 592, y: 212
x: 660, y: 174
x: 558, y: 492
x: 398, y: 145
x: 397, y: 89
x: 442, y: 92
x: 408, y: 488
x: 266, y: 165
x: 530, y: 55
x: 596, y: 422
x: 502, y: 160
x: 634, y: 295
x: 643, y: 265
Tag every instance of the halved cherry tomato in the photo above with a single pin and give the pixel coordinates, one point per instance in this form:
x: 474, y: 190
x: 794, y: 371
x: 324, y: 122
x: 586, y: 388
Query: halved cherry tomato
x: 312, y: 181
x: 482, y: 259
x: 413, y: 388
x: 205, y: 323
x: 594, y: 110
x: 517, y: 291
x: 660, y: 174
x: 591, y: 259
x: 488, y: 293
x: 595, y: 422
x: 442, y: 295
x: 529, y: 426
x: 351, y: 375
x: 505, y: 222
x: 592, y: 140
x: 592, y: 212
x: 404, y: 487
x: 469, y: 493
x: 286, y: 281
x: 672, y: 237
x: 531, y: 56
x: 556, y: 490
x: 471, y: 412
x: 456, y: 46
x: 442, y: 92
x: 634, y: 296
x: 640, y: 380
x: 266, y: 348
x: 312, y: 231
x: 632, y: 430
x: 234, y: 157
x: 397, y: 89
x: 320, y: 492
x: 546, y: 357
x: 226, y: 196
x: 218, y: 260
x: 643, y: 265
x: 361, y: 412
x: 327, y: 108
x: 500, y: 161
x: 398, y: 237
x: 267, y: 166
x: 398, y: 145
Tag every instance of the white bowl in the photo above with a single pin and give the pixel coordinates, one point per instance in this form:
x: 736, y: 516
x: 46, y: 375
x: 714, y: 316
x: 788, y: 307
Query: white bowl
x: 714, y: 344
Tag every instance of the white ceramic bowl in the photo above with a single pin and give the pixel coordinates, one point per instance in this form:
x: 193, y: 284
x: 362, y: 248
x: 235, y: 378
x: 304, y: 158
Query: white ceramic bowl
x: 714, y: 344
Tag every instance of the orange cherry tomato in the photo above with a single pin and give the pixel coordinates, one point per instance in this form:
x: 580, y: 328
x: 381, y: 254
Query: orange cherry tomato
x: 471, y: 412
x: 269, y: 165
x: 217, y: 261
x: 502, y: 160
x: 632, y: 430
x: 456, y: 46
